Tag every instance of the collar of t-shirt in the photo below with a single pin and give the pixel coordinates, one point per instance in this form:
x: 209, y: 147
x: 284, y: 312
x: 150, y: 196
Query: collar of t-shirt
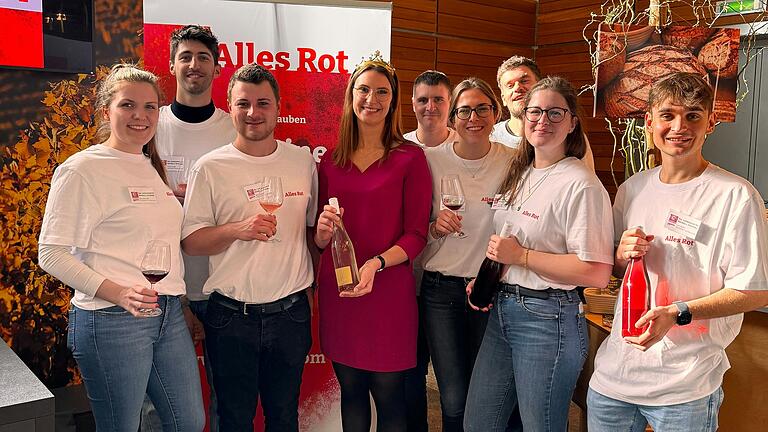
x: 506, y: 126
x: 190, y: 114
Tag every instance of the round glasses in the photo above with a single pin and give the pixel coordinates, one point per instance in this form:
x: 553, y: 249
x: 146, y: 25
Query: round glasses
x: 482, y: 111
x: 381, y: 94
x: 555, y: 115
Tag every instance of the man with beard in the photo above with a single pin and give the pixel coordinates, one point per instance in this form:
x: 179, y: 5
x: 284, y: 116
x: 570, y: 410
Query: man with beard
x: 188, y: 128
x: 258, y: 319
x: 515, y: 77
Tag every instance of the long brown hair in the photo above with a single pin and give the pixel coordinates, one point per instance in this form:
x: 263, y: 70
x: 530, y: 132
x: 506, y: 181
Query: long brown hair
x: 126, y: 73
x: 575, y: 145
x: 349, y: 132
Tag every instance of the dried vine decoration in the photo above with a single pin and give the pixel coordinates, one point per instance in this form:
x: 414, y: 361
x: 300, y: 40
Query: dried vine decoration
x: 629, y: 134
x: 33, y: 304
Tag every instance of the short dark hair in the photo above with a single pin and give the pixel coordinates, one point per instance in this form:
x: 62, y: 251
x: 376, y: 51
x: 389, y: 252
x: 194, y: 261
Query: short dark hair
x: 515, y: 62
x: 433, y: 78
x: 197, y: 33
x: 253, y: 73
x: 688, y: 89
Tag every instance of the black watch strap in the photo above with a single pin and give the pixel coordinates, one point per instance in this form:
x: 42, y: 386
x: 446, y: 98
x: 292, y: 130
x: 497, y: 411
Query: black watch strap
x: 383, y: 263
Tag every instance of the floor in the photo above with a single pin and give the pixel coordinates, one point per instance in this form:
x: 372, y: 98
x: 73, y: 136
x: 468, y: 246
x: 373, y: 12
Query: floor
x: 435, y: 421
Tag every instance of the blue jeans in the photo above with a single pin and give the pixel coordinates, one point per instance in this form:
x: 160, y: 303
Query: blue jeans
x: 610, y: 415
x: 259, y: 354
x: 122, y: 357
x: 454, y: 334
x: 531, y: 356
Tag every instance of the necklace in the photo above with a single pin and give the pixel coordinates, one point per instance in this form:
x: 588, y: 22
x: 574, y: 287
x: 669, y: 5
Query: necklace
x: 472, y: 173
x: 532, y: 189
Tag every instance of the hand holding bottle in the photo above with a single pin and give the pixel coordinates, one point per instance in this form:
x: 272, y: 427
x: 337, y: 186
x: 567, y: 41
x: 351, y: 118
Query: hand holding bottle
x: 470, y: 286
x: 505, y: 250
x: 634, y: 243
x: 659, y: 320
x: 447, y: 223
x: 325, y: 223
x: 367, y: 274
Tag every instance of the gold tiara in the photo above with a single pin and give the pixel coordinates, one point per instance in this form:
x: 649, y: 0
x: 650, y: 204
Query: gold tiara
x: 376, y: 59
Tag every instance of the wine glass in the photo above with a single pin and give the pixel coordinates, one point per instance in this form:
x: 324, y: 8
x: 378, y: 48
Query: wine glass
x: 155, y: 266
x: 452, y: 195
x: 271, y: 198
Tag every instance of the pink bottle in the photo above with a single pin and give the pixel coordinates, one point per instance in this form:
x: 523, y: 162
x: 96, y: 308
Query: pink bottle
x: 635, y: 297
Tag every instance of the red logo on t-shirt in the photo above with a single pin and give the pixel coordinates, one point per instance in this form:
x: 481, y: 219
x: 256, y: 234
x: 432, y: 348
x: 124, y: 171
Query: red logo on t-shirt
x: 134, y: 195
x: 672, y: 218
x: 293, y: 194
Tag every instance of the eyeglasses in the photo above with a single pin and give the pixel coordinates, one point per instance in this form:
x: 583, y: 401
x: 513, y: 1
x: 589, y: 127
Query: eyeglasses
x: 482, y: 111
x: 381, y: 94
x: 555, y: 115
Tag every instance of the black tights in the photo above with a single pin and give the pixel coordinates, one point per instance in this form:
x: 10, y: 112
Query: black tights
x: 388, y: 392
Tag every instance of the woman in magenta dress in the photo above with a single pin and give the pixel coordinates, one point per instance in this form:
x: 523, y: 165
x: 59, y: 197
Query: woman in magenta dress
x: 384, y: 188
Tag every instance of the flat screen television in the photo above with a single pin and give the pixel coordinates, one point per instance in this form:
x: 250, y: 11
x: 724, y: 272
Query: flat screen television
x: 52, y: 35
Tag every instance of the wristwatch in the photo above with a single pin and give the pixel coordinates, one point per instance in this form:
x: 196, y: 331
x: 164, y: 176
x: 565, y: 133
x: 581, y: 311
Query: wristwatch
x: 684, y: 316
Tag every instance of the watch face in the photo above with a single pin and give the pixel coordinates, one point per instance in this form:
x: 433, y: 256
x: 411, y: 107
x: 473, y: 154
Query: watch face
x: 684, y: 318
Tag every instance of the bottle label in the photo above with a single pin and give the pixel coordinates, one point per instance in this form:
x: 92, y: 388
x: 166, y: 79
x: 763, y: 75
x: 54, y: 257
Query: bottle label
x: 506, y: 230
x: 344, y: 276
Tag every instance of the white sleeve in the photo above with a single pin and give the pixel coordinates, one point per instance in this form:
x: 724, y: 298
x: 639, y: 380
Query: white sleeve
x: 61, y: 264
x: 745, y: 255
x: 589, y: 225
x: 72, y: 211
x: 198, y: 203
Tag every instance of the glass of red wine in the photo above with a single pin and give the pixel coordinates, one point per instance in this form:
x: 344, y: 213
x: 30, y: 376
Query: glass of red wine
x: 452, y: 195
x: 271, y: 198
x: 155, y: 266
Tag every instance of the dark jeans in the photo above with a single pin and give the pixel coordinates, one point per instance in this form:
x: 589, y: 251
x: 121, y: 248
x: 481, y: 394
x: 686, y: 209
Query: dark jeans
x: 454, y: 333
x: 259, y: 354
x: 199, y: 308
x: 416, y: 382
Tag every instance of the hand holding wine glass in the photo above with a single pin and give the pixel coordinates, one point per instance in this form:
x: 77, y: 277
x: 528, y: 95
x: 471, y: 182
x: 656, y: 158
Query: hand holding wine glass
x: 271, y: 197
x: 452, y: 195
x: 155, y: 266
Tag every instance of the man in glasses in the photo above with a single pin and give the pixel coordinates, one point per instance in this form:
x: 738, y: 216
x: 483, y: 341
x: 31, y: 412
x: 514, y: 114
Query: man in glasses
x: 515, y: 77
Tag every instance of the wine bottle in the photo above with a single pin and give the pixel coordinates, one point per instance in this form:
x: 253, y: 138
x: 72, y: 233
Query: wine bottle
x: 635, y: 297
x: 344, y: 261
x: 487, y: 281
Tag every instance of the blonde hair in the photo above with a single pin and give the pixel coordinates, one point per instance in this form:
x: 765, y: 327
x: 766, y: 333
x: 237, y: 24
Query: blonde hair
x: 349, y: 131
x: 126, y: 73
x: 575, y: 145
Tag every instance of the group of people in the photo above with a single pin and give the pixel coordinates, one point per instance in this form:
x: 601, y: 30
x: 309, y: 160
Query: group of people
x: 190, y: 175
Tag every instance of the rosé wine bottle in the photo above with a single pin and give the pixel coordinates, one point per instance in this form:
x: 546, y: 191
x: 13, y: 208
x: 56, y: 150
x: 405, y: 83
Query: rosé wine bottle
x: 635, y: 297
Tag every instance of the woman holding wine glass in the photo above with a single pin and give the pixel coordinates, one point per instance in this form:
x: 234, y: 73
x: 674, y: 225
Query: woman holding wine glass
x: 383, y: 188
x: 466, y: 175
x: 112, y: 231
x: 559, y: 223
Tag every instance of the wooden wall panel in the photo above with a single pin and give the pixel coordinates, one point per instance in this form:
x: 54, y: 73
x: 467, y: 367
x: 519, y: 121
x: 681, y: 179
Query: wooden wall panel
x: 461, y: 38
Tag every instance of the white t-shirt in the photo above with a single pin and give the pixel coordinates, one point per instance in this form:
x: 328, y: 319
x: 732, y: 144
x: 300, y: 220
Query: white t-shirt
x: 503, y: 135
x: 411, y: 136
x: 255, y: 271
x: 728, y: 249
x: 107, y: 205
x: 180, y: 144
x: 480, y: 180
x: 566, y: 211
